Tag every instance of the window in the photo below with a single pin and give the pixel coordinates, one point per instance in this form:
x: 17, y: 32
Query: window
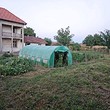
x: 15, y: 43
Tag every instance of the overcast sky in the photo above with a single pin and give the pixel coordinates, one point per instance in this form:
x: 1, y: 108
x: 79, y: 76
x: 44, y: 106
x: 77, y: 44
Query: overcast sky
x: 46, y: 17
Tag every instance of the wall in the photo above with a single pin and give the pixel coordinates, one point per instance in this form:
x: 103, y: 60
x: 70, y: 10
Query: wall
x: 19, y: 46
x: 6, y: 29
x: 6, y: 41
x: 6, y: 45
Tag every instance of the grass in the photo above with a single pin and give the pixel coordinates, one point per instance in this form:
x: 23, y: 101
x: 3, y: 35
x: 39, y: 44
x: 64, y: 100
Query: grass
x: 83, y: 86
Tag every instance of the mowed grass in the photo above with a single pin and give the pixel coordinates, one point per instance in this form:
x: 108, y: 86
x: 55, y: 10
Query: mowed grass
x: 83, y: 86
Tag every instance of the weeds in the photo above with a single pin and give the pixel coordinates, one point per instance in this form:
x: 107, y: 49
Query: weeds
x: 15, y: 66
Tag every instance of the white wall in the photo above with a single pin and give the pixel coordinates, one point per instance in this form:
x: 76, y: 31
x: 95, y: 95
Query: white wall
x: 19, y: 46
x: 7, y: 29
x: 6, y: 45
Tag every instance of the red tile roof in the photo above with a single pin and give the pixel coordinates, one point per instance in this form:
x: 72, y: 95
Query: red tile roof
x: 32, y: 39
x: 8, y: 16
x: 55, y: 44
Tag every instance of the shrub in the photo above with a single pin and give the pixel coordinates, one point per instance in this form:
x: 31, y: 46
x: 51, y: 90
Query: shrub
x: 85, y: 56
x: 7, y: 54
x: 15, y: 66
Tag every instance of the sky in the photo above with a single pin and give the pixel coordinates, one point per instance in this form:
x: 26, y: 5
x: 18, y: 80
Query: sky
x: 46, y: 17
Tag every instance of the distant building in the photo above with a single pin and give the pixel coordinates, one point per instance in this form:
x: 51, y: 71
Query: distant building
x: 11, y: 32
x: 34, y: 40
x: 55, y: 44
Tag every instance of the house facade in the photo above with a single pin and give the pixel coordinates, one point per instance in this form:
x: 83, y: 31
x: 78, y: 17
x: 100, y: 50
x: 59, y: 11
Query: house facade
x: 11, y: 32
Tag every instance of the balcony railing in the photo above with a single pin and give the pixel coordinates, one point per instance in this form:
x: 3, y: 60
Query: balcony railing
x: 8, y: 34
x: 17, y: 35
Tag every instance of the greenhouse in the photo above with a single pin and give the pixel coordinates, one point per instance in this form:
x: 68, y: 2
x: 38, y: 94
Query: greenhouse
x: 50, y: 56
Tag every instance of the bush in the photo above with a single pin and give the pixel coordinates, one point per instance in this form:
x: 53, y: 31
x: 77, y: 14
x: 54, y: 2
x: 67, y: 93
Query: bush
x: 85, y: 56
x: 7, y: 54
x: 15, y: 66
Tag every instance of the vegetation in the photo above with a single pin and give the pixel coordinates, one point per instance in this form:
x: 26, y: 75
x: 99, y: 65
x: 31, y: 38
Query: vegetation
x: 64, y: 36
x: 106, y: 37
x: 48, y: 41
x: 83, y: 56
x: 84, y: 86
x: 14, y: 65
x: 29, y: 32
x: 102, y: 39
x: 89, y: 40
x: 76, y: 47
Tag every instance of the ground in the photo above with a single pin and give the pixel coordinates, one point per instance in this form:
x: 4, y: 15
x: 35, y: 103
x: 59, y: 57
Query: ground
x: 82, y: 86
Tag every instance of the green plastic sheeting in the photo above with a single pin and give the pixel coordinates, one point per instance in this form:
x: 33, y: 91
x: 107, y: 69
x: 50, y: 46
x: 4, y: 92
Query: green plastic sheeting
x: 44, y: 55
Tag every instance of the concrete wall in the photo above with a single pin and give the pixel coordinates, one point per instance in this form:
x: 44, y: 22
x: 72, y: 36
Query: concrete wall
x: 6, y: 42
x: 6, y: 45
x: 7, y: 29
x: 19, y: 46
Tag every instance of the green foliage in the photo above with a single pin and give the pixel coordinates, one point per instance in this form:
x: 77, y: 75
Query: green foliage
x: 7, y: 55
x: 96, y: 39
x: 29, y: 32
x: 15, y: 66
x: 106, y: 37
x: 76, y: 46
x: 89, y: 40
x: 85, y: 56
x: 83, y: 86
x: 59, y: 63
x: 64, y: 36
x: 48, y: 41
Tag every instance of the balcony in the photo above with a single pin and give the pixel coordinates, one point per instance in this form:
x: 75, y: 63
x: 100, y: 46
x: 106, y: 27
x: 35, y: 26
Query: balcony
x: 16, y: 35
x: 6, y: 34
x: 9, y: 35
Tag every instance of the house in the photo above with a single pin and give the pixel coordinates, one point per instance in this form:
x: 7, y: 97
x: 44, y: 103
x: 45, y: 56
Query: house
x: 11, y: 31
x: 34, y: 40
x: 55, y: 44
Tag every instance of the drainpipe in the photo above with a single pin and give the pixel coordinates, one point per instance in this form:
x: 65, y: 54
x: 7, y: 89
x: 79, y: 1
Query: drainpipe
x: 0, y: 37
x: 22, y: 37
x: 12, y: 39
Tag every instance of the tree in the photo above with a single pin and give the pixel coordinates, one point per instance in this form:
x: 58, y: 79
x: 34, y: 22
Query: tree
x: 64, y: 36
x: 48, y: 41
x: 89, y: 40
x: 106, y: 37
x: 98, y: 40
x: 29, y: 32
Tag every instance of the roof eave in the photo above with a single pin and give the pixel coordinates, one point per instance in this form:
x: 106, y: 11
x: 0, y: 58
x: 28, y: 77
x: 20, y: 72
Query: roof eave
x: 14, y: 21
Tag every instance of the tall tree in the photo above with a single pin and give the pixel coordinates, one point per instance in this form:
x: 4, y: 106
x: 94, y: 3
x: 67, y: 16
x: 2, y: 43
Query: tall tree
x: 48, y: 41
x: 29, y: 32
x: 89, y: 40
x: 106, y: 37
x: 98, y: 39
x: 64, y: 36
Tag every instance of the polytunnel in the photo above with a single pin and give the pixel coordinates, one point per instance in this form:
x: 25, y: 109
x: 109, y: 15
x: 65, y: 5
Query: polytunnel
x: 50, y: 56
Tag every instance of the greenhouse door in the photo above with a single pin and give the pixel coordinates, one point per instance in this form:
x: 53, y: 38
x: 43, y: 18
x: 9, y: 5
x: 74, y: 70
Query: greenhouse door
x: 60, y: 59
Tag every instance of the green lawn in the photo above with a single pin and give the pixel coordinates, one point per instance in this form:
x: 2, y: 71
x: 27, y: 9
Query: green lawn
x: 83, y: 86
